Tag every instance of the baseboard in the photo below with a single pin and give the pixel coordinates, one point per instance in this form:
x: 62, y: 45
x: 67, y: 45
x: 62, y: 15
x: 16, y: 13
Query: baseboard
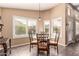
x: 28, y: 44
x: 62, y: 44
x: 20, y: 45
x: 17, y: 45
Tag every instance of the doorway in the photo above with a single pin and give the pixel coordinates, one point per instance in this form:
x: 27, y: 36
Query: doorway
x: 70, y: 30
x: 77, y: 30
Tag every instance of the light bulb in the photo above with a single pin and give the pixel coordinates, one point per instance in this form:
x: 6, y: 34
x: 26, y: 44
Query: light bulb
x: 39, y: 19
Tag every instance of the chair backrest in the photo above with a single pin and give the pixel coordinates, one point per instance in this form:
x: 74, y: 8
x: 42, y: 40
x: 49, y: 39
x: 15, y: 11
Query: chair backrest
x: 42, y: 39
x: 57, y: 37
x: 39, y: 37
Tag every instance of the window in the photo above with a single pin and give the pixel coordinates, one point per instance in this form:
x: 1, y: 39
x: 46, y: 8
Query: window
x: 32, y: 27
x: 47, y: 27
x: 56, y: 26
x: 76, y: 15
x: 21, y: 26
x: 68, y: 11
x: 77, y: 27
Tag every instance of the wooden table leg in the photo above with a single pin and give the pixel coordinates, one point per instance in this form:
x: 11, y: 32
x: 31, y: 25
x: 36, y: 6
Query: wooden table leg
x: 5, y: 48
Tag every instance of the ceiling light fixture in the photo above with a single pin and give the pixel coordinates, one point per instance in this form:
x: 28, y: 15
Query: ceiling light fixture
x: 39, y: 18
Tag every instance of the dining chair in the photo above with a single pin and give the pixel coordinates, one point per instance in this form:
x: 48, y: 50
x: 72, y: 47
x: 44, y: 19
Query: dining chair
x: 32, y: 40
x: 5, y: 42
x: 42, y: 43
x: 55, y: 41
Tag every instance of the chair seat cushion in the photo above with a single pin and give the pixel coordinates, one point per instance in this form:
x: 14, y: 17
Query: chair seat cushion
x: 34, y: 41
x: 43, y: 46
x: 52, y: 42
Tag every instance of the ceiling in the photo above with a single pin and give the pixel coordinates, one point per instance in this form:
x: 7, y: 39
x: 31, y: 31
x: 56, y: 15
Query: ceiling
x: 76, y: 5
x: 29, y: 6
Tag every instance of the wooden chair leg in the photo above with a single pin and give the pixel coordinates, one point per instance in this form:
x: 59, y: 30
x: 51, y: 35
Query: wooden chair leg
x: 57, y: 50
x: 55, y: 47
x: 10, y: 45
x: 5, y: 48
x: 47, y: 53
x: 30, y: 47
x: 38, y: 52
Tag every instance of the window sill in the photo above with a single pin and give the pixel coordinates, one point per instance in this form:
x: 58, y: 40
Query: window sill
x: 19, y: 36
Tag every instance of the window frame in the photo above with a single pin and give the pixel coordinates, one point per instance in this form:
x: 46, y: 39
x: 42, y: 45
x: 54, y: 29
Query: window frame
x: 48, y: 27
x: 36, y: 24
x: 60, y: 27
x: 27, y: 20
